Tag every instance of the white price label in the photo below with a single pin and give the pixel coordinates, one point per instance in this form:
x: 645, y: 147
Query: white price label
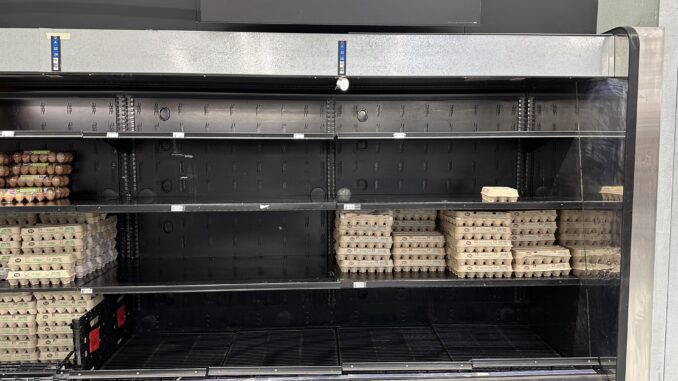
x: 264, y: 206
x: 359, y: 285
x: 178, y: 135
x: 399, y: 135
x: 7, y: 134
x: 351, y: 206
x: 86, y: 291
x: 177, y: 208
x: 112, y: 134
x: 298, y: 136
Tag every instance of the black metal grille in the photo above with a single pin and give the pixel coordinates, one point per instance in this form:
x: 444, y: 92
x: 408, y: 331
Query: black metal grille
x: 390, y: 344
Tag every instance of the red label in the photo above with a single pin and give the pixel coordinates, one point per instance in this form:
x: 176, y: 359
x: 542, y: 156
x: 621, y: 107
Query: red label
x: 120, y: 315
x: 94, y: 340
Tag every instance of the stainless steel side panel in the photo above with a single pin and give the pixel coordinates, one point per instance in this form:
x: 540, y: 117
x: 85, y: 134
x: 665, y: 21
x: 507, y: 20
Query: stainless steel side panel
x: 285, y: 54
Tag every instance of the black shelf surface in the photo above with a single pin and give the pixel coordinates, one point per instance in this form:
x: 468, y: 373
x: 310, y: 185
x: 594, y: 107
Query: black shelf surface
x: 127, y: 135
x: 446, y: 279
x: 483, y: 135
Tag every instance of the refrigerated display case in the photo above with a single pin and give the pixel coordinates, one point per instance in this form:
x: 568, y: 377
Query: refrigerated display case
x: 227, y: 158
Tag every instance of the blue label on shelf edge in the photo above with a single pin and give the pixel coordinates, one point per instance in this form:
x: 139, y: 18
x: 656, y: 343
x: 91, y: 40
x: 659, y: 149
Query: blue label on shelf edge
x: 56, y: 53
x: 342, y: 58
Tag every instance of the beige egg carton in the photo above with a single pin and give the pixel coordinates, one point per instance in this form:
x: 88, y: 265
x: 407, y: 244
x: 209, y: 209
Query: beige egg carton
x: 414, y: 225
x: 542, y: 270
x: 479, y: 259
x: 377, y: 231
x: 10, y: 233
x: 529, y: 240
x: 499, y: 194
x: 18, y: 219
x: 62, y: 295
x: 53, y: 232
x: 533, y: 216
x: 419, y: 265
x: 594, y: 240
x: 18, y: 321
x: 64, y: 343
x: 540, y: 255
x: 379, y: 266
x: 415, y: 214
x: 365, y: 242
x: 477, y: 232
x: 34, y: 278
x: 10, y: 247
x: 418, y: 239
x: 19, y: 331
x: 7, y: 357
x: 468, y: 218
x: 479, y: 246
x: 595, y: 216
x: 612, y: 261
x: 418, y: 253
x: 384, y: 219
x: 595, y: 270
x: 16, y: 297
x: 53, y: 356
x: 31, y: 262
x: 534, y: 227
x: 600, y: 255
x: 480, y: 271
x: 21, y: 342
x: 71, y: 218
x: 612, y: 193
x: 63, y: 330
x: 17, y: 308
x: 55, y: 320
x: 584, y: 228
x: 353, y: 254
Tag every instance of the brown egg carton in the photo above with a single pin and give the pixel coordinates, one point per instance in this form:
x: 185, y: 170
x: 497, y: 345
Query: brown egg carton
x: 418, y: 239
x: 533, y: 216
x: 542, y: 270
x: 365, y: 242
x: 415, y: 214
x: 379, y: 266
x: 480, y: 271
x: 414, y: 225
x: 16, y: 297
x: 24, y: 356
x: 533, y: 228
x: 44, y: 278
x: 419, y: 265
x: 467, y: 218
x: 479, y: 259
x: 540, y: 255
x: 353, y: 254
x: 17, y: 321
x: 354, y: 219
x: 529, y: 240
x: 29, y: 262
x: 21, y: 219
x: 19, y: 195
x: 612, y: 193
x: 20, y: 181
x: 10, y: 247
x: 42, y: 156
x: 17, y: 308
x: 499, y: 194
x: 584, y: 228
x: 41, y: 169
x: 71, y: 218
x: 477, y: 232
x: 594, y: 216
x: 418, y: 253
x: 377, y: 231
x: 479, y: 246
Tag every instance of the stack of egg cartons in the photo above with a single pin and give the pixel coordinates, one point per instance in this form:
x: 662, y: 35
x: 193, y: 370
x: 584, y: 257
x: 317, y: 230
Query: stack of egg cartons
x: 18, y: 340
x: 478, y: 243
x: 588, y: 235
x: 10, y: 237
x: 534, y: 251
x: 417, y: 246
x: 363, y: 242
x: 55, y: 312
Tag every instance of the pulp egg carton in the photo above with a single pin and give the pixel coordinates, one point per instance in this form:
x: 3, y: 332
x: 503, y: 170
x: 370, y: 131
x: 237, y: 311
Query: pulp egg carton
x: 53, y: 232
x: 586, y: 270
x: 71, y: 218
x: 599, y: 255
x: 18, y: 342
x: 480, y: 271
x: 18, y: 308
x: 46, y: 277
x: 60, y: 246
x: 596, y: 240
x: 18, y: 219
x: 477, y: 232
x: 379, y: 266
x: 370, y: 242
x: 81, y: 305
x: 540, y: 255
x: 499, y: 194
x: 10, y: 247
x: 418, y: 253
x: 56, y: 320
x: 28, y: 262
x: 10, y: 233
x: 504, y: 258
x: 594, y: 216
x: 353, y: 254
x: 55, y: 344
x: 532, y: 216
x: 479, y: 246
x: 527, y: 240
x: 60, y: 331
x: 419, y: 265
x: 17, y: 321
x: 541, y: 270
x: 42, y: 156
x: 584, y: 228
x: 16, y: 297
x: 534, y: 227
x: 415, y: 214
x: 354, y: 219
x: 377, y: 231
x: 597, y: 260
x: 23, y: 356
x: 19, y: 331
x: 52, y: 356
x: 612, y: 193
x: 414, y: 225
x: 418, y: 239
x: 467, y: 218
x: 37, y: 181
x: 19, y: 195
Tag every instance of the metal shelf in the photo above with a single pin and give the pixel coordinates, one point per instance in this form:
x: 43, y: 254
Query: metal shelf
x: 468, y: 203
x: 483, y: 135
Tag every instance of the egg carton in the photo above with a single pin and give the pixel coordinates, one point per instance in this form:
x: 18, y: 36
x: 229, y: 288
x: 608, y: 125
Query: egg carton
x: 42, y: 156
x: 78, y: 305
x: 355, y: 254
x: 16, y: 297
x: 29, y: 262
x: 612, y: 193
x: 415, y: 214
x: 418, y: 239
x: 585, y: 228
x: 480, y: 259
x: 542, y: 271
x: 466, y: 218
x: 499, y: 194
x: 595, y: 240
x: 32, y: 195
x: 365, y: 242
x: 377, y: 231
x: 365, y: 219
x: 597, y: 260
x: 379, y: 266
x: 18, y: 342
x: 19, y: 331
x: 532, y: 216
x: 18, y: 357
x: 599, y: 255
x: 65, y: 343
x: 533, y: 228
x: 34, y: 278
x: 54, y: 320
x: 595, y: 270
x: 63, y: 330
x: 53, y: 232
x: 37, y: 181
x: 414, y: 225
x: 71, y: 218
x: 418, y: 253
x: 540, y: 255
x: 10, y: 247
x: 480, y: 271
x: 479, y: 246
x: 419, y: 265
x: 53, y: 356
x: 3, y: 272
x: 477, y: 232
x: 595, y: 216
x: 17, y: 308
x: 18, y: 219
x: 528, y: 240
x: 17, y: 321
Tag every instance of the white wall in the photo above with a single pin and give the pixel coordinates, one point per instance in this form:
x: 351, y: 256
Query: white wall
x: 613, y: 13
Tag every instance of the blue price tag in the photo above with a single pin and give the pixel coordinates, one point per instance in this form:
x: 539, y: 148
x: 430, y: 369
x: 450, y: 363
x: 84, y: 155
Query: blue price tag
x: 56, y: 53
x: 342, y: 58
